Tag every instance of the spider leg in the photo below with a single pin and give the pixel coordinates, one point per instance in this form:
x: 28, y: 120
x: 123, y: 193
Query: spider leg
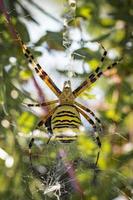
x: 42, y: 104
x: 38, y: 69
x: 44, y: 119
x: 93, y: 77
x: 91, y: 113
x: 95, y: 132
x: 30, y: 147
x: 104, y: 53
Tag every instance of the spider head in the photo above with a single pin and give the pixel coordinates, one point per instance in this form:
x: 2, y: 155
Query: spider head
x: 67, y: 85
x: 67, y: 95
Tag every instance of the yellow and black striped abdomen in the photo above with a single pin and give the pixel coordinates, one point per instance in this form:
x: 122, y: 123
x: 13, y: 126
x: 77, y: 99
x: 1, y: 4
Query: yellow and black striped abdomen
x: 65, y: 123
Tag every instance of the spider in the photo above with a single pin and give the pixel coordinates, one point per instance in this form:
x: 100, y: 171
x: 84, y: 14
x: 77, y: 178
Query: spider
x: 63, y: 121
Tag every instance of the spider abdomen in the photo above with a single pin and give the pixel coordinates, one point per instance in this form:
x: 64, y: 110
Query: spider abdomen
x: 65, y: 123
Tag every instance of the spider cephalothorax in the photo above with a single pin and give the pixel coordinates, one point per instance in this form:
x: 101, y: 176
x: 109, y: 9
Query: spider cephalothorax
x: 67, y: 96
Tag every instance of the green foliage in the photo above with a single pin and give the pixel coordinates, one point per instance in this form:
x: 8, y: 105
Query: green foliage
x: 108, y: 22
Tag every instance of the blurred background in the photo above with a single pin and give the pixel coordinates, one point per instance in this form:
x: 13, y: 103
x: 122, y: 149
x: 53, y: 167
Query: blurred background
x: 65, y: 171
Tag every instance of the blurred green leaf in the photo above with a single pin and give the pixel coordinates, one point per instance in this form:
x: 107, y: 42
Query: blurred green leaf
x: 53, y: 39
x: 26, y: 122
x: 85, y: 53
x: 25, y: 74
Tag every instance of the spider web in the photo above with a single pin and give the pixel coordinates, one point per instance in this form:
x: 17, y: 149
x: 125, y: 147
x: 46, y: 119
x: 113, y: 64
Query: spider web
x: 56, y: 170
x: 50, y: 177
x: 53, y: 171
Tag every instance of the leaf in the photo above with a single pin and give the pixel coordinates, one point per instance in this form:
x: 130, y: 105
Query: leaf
x: 102, y: 37
x: 85, y: 54
x: 53, y: 39
x: 107, y: 22
x: 45, y: 12
x: 27, y: 14
x: 22, y: 29
x: 26, y: 122
x: 25, y: 74
x: 85, y: 12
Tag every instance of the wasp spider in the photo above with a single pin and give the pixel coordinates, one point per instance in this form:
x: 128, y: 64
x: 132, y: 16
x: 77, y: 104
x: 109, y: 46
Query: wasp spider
x: 63, y: 121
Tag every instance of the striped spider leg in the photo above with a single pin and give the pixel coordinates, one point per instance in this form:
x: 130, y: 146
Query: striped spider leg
x: 38, y: 69
x: 43, y: 121
x: 104, y: 53
x: 45, y: 77
x: 91, y: 113
x: 95, y: 75
x: 95, y: 131
x: 42, y: 104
